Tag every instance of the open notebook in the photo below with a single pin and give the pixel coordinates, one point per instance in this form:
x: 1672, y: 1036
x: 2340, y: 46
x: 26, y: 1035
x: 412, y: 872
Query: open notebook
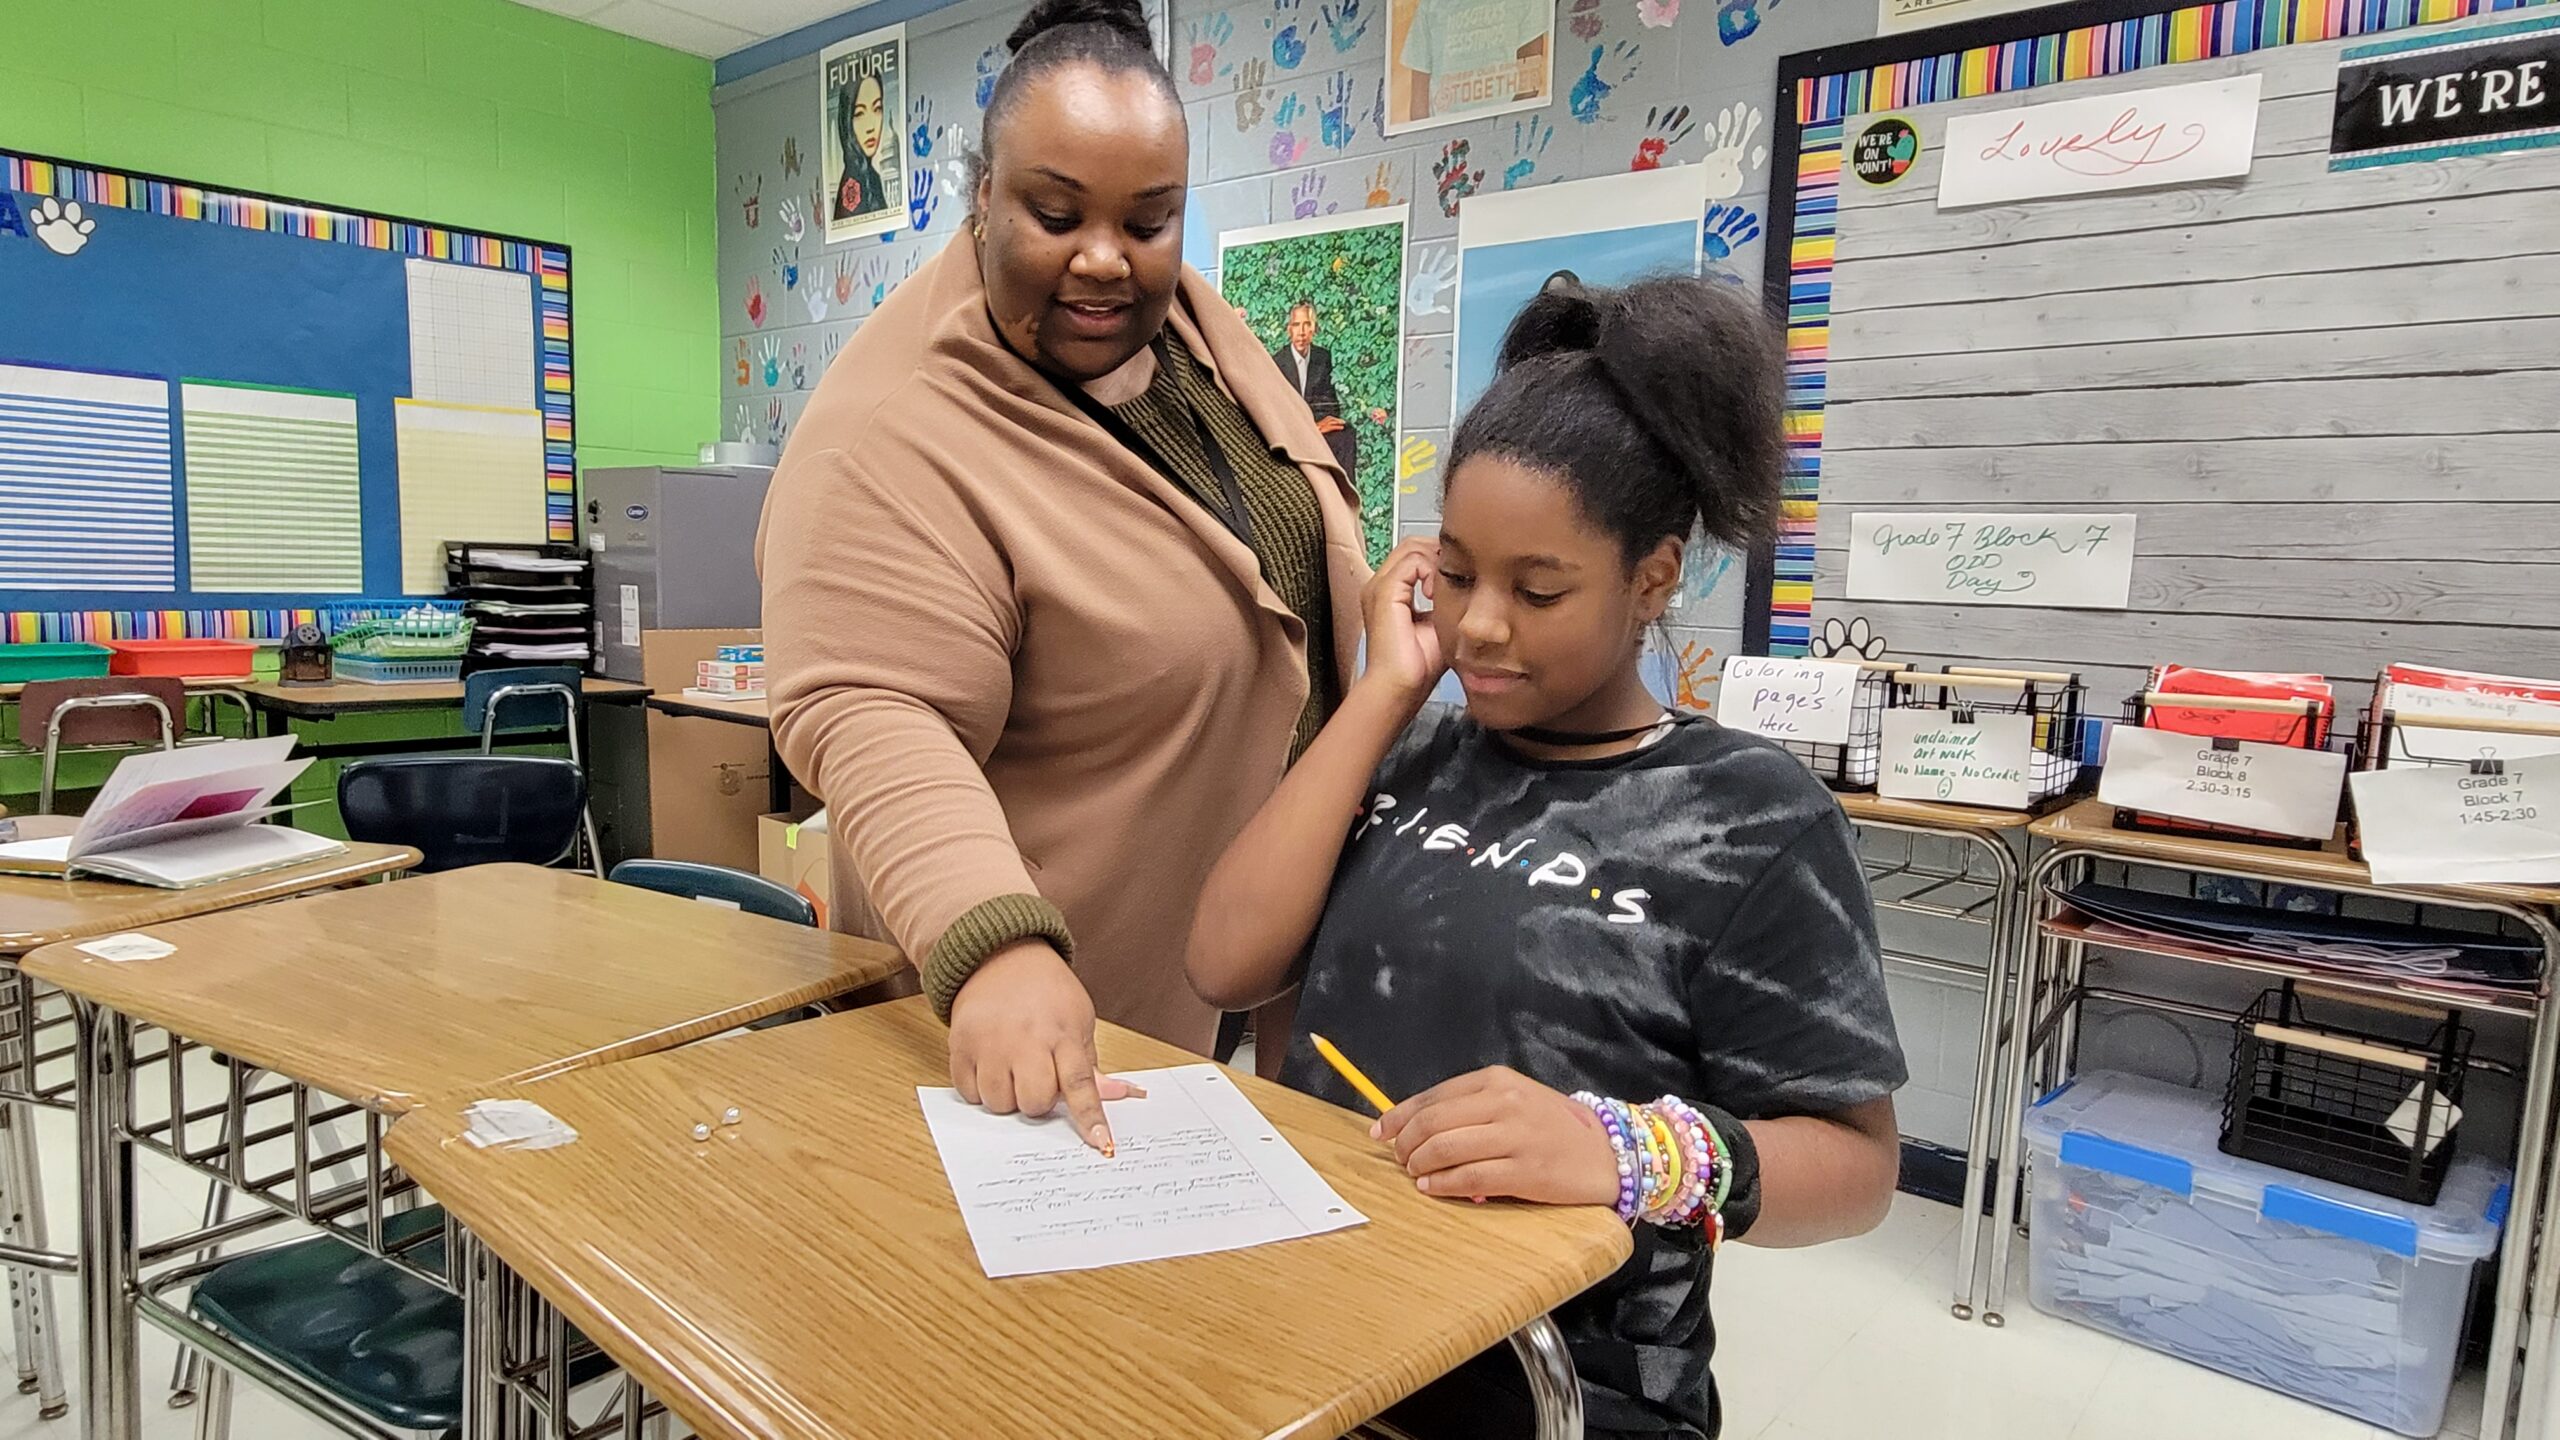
x: 182, y: 818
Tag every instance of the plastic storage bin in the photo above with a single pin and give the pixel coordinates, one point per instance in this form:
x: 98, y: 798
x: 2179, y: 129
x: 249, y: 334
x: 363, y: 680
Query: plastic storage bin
x: 186, y: 659
x: 21, y: 663
x: 367, y: 671
x: 2143, y: 1228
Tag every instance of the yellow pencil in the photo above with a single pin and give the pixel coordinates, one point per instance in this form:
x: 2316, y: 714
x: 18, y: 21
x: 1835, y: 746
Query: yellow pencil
x: 1368, y: 1088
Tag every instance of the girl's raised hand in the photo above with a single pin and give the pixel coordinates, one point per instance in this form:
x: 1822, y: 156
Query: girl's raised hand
x: 1497, y: 1134
x: 1404, y: 651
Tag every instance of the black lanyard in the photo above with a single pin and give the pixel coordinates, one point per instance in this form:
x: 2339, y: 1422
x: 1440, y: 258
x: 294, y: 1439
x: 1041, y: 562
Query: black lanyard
x: 1231, y: 510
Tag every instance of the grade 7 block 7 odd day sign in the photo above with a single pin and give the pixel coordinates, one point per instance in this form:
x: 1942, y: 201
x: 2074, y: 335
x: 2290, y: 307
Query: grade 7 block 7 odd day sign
x: 2053, y: 561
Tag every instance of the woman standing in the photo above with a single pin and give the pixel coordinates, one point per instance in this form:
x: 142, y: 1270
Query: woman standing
x: 1059, y: 577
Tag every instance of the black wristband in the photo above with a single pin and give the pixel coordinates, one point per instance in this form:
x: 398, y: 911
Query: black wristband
x: 1742, y: 1201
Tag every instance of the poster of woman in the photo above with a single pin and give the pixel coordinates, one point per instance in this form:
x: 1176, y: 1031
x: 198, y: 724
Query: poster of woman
x: 1327, y: 297
x: 862, y: 83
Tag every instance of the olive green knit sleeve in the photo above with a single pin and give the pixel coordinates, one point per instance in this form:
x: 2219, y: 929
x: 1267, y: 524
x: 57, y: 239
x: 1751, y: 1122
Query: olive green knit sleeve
x: 982, y: 931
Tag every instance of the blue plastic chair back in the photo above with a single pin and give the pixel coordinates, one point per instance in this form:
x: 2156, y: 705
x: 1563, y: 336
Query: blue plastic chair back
x: 520, y: 712
x: 752, y: 893
x: 459, y: 810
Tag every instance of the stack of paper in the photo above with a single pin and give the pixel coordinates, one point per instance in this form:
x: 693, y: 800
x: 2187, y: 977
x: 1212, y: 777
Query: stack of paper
x: 2268, y: 726
x: 2428, y: 693
x: 514, y: 1125
x: 1197, y: 1169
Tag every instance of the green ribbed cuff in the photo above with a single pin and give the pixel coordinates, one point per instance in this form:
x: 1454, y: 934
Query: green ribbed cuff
x: 981, y: 933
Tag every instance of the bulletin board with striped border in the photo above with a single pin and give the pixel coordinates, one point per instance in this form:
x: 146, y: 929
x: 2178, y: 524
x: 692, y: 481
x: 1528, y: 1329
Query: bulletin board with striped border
x: 547, y: 265
x: 1818, y: 90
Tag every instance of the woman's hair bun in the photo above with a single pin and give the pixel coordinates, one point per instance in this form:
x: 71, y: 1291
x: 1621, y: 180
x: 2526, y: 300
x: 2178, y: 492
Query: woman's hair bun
x: 1128, y: 17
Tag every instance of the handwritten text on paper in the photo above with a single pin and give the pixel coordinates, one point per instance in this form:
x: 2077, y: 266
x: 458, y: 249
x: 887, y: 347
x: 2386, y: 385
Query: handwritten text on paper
x: 2172, y: 135
x: 2071, y: 561
x: 1806, y: 700
x: 1932, y: 755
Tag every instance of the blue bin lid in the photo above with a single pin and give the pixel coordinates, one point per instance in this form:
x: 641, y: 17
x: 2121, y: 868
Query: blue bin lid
x: 2169, y: 1136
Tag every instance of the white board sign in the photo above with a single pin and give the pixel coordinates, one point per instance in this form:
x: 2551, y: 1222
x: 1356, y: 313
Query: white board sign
x: 1929, y: 755
x: 1893, y: 17
x: 2068, y: 561
x: 1803, y: 700
x: 2280, y: 789
x: 2174, y: 135
x: 2443, y: 825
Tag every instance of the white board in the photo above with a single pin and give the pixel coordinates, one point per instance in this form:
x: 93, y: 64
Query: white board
x: 2051, y: 561
x: 2173, y: 135
x: 1893, y: 17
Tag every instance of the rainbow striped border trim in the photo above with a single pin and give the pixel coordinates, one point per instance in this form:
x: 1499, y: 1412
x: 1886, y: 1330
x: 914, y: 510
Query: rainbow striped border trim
x: 547, y: 264
x: 2195, y: 32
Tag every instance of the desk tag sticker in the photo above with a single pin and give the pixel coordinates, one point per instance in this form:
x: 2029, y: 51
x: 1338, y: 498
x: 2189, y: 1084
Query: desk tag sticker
x: 2495, y: 824
x: 1804, y: 700
x: 120, y: 948
x: 2280, y: 789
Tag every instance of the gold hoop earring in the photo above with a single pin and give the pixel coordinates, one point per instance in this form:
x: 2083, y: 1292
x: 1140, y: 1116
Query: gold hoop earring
x: 977, y: 229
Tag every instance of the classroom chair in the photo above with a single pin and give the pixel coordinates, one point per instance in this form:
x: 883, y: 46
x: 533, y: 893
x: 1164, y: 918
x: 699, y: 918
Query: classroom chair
x: 721, y: 885
x: 97, y: 713
x: 523, y: 697
x: 458, y: 810
x: 359, y: 1331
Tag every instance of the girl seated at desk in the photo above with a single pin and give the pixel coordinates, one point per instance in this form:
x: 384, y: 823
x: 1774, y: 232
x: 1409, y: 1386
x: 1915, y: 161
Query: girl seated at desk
x: 1564, y: 892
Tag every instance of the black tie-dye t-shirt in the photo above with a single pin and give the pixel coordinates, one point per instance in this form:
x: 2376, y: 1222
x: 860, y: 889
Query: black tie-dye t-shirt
x: 1689, y: 918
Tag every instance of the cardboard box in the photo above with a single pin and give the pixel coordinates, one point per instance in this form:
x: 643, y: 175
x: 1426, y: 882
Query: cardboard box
x: 789, y: 854
x: 708, y: 779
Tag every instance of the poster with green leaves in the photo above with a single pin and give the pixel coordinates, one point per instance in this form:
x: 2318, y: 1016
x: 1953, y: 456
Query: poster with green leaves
x: 1326, y: 294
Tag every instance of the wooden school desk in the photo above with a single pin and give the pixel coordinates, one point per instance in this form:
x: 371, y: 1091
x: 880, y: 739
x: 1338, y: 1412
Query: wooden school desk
x: 280, y: 706
x: 37, y: 910
x: 2053, y: 956
x: 805, y: 1275
x: 379, y: 997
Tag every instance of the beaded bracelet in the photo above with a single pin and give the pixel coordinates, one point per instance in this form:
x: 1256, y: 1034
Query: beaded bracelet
x: 1673, y: 1169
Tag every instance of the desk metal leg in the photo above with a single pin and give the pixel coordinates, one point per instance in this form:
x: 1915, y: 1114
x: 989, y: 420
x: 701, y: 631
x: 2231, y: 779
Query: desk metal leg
x: 1987, y: 1072
x: 2520, y: 1279
x: 2031, y: 951
x: 42, y: 1338
x: 111, y: 1396
x: 1554, y: 1388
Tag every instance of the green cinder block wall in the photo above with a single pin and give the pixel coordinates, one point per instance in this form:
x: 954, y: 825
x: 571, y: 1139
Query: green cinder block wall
x: 477, y: 113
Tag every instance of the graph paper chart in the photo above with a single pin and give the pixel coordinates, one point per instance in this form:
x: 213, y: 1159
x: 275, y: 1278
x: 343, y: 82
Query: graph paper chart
x: 86, y: 497
x: 467, y: 472
x: 470, y: 335
x: 275, y: 496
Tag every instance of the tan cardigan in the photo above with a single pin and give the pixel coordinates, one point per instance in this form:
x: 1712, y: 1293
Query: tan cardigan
x: 1013, y: 658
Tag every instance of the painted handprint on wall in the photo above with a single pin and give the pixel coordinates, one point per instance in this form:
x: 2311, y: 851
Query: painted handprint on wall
x: 1347, y: 22
x: 920, y: 131
x: 1416, y: 458
x: 1657, y: 14
x: 794, y: 217
x: 772, y: 356
x: 1610, y: 68
x: 1426, y: 290
x: 750, y: 198
x: 1306, y: 198
x: 799, y: 366
x: 1288, y: 43
x: 1251, y: 94
x: 924, y: 198
x: 844, y: 281
x: 1739, y: 20
x: 1452, y: 177
x: 1529, y: 141
x: 1663, y: 129
x: 746, y: 369
x: 1729, y: 228
x: 1382, y: 185
x: 787, y: 262
x: 1585, y: 19
x: 1338, y: 125
x: 755, y: 301
x: 1731, y: 157
x: 990, y: 65
x: 1693, y: 671
x: 1208, y: 42
x: 1286, y: 148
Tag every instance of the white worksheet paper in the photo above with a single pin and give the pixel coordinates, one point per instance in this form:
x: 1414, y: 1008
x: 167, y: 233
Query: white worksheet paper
x: 1198, y: 1170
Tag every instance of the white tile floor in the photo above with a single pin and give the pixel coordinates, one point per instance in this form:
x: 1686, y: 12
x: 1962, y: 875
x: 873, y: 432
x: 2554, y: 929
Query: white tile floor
x: 1842, y: 1342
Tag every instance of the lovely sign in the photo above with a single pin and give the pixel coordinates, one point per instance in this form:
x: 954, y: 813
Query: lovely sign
x: 2175, y: 135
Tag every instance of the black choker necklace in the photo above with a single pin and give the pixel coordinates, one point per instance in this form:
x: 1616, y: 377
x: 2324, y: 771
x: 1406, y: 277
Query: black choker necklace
x: 1536, y: 736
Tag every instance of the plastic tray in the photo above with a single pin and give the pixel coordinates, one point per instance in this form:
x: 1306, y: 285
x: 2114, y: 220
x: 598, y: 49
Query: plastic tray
x: 181, y: 658
x: 21, y: 663
x: 2143, y: 1228
x: 396, y: 672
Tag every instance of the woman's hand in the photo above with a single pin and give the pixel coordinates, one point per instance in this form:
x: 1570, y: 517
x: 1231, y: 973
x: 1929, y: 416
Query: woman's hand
x: 1022, y: 1040
x: 1330, y: 425
x: 1404, y: 651
x: 1497, y: 1134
